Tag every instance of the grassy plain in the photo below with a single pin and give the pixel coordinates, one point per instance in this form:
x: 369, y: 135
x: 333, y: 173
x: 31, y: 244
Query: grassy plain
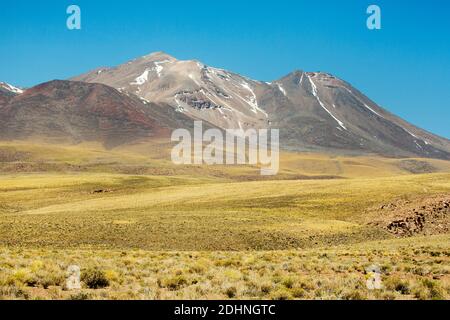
x: 159, y: 231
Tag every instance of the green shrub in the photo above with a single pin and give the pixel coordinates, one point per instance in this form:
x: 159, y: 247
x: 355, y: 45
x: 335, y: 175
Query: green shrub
x: 173, y: 283
x: 298, y: 293
x: 399, y: 285
x: 47, y: 279
x: 281, y: 294
x: 434, y: 290
x: 94, y: 278
x: 288, y: 282
x: 113, y: 276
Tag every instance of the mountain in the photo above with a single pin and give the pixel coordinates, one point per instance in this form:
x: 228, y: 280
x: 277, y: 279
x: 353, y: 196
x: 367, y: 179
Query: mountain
x: 328, y: 112
x: 78, y: 111
x: 152, y: 95
x: 222, y: 98
x: 313, y: 110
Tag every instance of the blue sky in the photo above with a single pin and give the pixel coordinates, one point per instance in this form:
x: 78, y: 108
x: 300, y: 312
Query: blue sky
x: 405, y: 67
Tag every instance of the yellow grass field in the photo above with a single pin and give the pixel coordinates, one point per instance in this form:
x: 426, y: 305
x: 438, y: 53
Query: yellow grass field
x: 152, y: 230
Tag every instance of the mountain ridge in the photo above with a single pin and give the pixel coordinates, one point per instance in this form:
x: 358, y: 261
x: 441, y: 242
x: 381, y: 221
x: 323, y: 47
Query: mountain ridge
x: 315, y: 111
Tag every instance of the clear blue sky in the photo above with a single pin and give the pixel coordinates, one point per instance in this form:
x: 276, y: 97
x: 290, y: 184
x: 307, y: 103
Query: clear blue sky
x: 405, y: 67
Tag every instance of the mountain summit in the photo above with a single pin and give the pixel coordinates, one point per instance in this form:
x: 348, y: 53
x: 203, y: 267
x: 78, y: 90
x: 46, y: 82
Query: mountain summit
x: 224, y: 99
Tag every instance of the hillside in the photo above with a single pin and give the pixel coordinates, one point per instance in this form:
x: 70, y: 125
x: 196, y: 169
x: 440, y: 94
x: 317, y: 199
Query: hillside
x: 314, y: 111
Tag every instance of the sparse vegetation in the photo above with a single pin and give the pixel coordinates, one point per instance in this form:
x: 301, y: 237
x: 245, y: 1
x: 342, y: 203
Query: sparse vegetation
x: 261, y: 275
x: 213, y: 233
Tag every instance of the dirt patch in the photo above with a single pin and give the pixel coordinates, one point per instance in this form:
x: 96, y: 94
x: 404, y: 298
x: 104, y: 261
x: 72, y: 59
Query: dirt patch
x: 26, y: 167
x: 417, y: 167
x: 8, y: 154
x: 96, y: 191
x: 406, y: 218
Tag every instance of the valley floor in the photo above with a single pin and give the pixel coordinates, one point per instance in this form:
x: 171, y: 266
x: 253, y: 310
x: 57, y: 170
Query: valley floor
x: 143, y: 229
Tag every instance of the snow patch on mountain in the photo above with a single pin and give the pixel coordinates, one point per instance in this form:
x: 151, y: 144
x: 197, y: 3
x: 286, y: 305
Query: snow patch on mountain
x: 252, y: 101
x: 10, y: 88
x: 314, y: 92
x: 145, y: 101
x: 192, y: 77
x: 143, y: 78
x: 282, y: 89
x: 159, y: 68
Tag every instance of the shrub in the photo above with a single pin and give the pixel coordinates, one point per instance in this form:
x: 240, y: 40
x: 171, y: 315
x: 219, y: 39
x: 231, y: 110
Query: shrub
x: 19, y: 277
x: 288, y: 282
x: 15, y: 290
x: 266, y: 288
x: 354, y: 295
x: 173, y: 283
x: 419, y: 271
x: 399, y: 285
x: 112, y: 276
x: 403, y: 287
x: 94, y: 278
x: 281, y: 294
x: 200, y: 267
x: 36, y: 265
x: 80, y: 296
x: 387, y: 296
x: 307, y: 285
x: 228, y: 263
x: 231, y: 292
x: 420, y: 293
x: 434, y: 290
x: 298, y: 293
x: 47, y: 278
x: 232, y: 274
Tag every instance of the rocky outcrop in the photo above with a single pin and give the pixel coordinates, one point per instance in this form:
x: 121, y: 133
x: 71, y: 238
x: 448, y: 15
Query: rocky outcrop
x: 406, y: 218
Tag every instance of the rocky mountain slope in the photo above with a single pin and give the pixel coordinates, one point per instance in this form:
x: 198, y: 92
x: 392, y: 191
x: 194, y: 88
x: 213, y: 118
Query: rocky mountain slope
x: 314, y: 111
x: 222, y: 98
x: 78, y: 111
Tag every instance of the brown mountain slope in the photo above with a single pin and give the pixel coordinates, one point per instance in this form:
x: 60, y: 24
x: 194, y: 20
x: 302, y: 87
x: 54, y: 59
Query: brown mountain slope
x: 328, y: 113
x: 77, y: 111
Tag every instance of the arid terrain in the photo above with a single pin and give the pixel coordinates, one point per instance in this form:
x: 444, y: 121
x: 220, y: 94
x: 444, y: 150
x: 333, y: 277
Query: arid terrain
x: 140, y: 227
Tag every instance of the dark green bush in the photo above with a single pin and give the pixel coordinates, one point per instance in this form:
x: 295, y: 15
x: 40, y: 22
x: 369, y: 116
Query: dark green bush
x: 94, y: 278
